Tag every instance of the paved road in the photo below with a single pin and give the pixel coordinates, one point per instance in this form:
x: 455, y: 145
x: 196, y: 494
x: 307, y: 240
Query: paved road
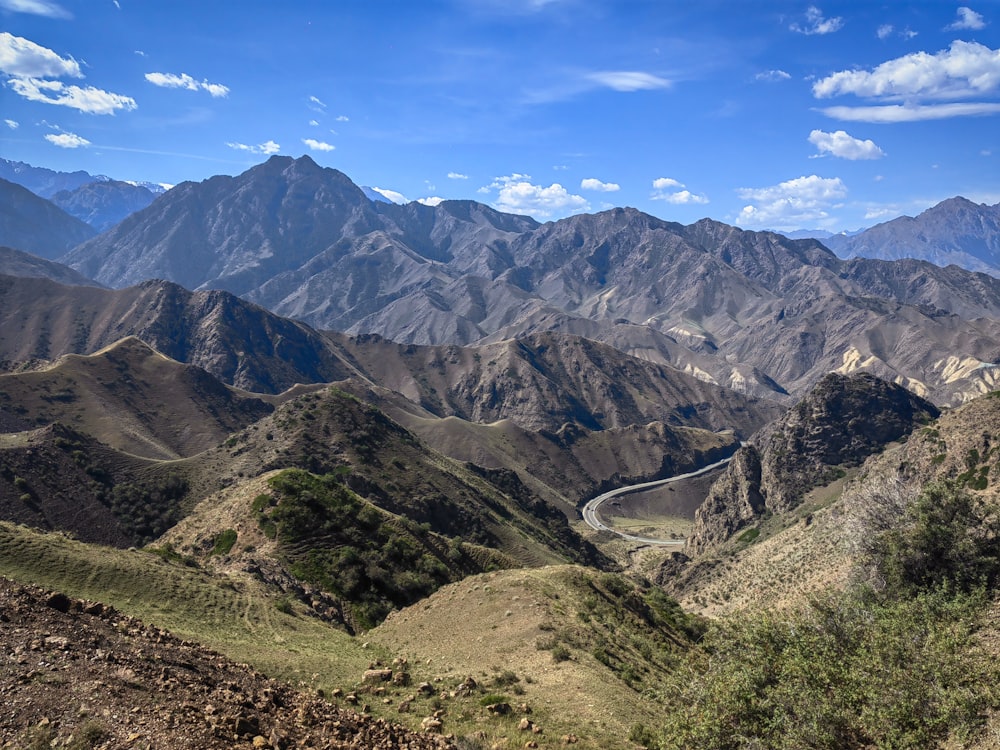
x: 593, y: 520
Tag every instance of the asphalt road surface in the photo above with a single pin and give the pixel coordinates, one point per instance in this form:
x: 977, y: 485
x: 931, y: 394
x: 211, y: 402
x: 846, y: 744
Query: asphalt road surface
x: 593, y: 520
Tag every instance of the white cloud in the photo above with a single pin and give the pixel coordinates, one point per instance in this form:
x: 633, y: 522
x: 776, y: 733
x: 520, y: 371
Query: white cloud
x: 67, y: 140
x: 268, y: 148
x: 184, y: 81
x: 457, y: 176
x: 315, y: 145
x: 591, y: 183
x: 884, y: 31
x: 772, y: 75
x: 518, y: 195
x: 842, y: 145
x: 12, y: 124
x: 663, y: 183
x: 89, y: 100
x: 817, y: 24
x: 315, y: 103
x: 314, y: 123
x: 669, y: 190
x: 36, y: 7
x: 910, y: 113
x: 392, y: 195
x: 964, y: 69
x: 432, y: 201
x: 23, y: 58
x: 628, y: 80
x: 343, y: 118
x: 967, y: 19
x: 794, y: 204
x: 680, y: 198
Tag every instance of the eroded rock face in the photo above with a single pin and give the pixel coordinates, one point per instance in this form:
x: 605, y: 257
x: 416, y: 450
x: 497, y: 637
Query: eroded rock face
x: 842, y: 421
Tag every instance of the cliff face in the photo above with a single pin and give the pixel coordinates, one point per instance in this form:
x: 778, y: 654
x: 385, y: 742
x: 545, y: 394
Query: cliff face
x: 841, y: 422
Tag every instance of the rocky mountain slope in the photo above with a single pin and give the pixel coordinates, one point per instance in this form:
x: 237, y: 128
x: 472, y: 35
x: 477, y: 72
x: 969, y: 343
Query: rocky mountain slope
x: 37, y: 226
x: 753, y: 311
x: 18, y: 263
x: 955, y: 231
x: 841, y: 422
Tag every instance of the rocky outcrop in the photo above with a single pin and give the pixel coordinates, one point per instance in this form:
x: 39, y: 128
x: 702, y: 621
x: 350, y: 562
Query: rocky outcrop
x: 840, y: 423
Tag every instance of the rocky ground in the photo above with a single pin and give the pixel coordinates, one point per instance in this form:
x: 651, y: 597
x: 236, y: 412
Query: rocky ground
x: 78, y: 674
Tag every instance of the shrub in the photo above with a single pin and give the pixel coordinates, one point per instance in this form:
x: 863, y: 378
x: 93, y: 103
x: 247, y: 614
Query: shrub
x: 224, y: 542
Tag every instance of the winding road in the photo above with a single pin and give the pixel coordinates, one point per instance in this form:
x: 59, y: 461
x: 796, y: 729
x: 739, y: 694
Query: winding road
x: 591, y: 508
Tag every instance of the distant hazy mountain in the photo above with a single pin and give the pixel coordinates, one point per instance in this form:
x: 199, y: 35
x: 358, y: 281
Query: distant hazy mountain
x: 954, y: 231
x: 45, y: 182
x: 103, y: 204
x: 35, y: 225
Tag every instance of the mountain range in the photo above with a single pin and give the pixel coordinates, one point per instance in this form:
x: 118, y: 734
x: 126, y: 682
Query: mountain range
x: 348, y: 441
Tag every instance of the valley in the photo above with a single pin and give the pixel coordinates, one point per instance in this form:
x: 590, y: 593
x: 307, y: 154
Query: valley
x: 443, y: 476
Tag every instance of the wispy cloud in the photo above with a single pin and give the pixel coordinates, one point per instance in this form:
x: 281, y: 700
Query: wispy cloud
x: 23, y: 58
x: 315, y: 145
x: 772, y: 76
x: 343, y: 118
x: 884, y: 31
x: 592, y: 183
x: 628, y: 80
x: 967, y: 19
x: 316, y: 105
x: 844, y: 146
x: 669, y: 190
x: 517, y: 194
x: 457, y: 176
x: 90, y: 100
x: 67, y: 140
x: 36, y: 7
x: 268, y: 148
x: 801, y: 203
x: 815, y: 23
x: 12, y: 124
x: 184, y: 81
x: 891, y: 113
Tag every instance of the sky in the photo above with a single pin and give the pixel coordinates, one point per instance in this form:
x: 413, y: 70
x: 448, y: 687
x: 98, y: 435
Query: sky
x: 766, y: 115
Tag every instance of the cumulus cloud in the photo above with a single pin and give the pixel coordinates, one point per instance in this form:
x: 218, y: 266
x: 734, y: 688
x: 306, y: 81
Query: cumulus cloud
x: 21, y: 57
x: 628, y: 80
x: 815, y: 23
x: 394, y: 196
x: 315, y: 145
x: 457, y: 176
x: 67, y: 140
x: 772, y: 75
x: 432, y: 201
x: 964, y: 69
x: 842, y: 145
x: 517, y: 194
x: 967, y: 19
x: 36, y: 7
x: 89, y: 100
x: 268, y: 148
x: 669, y: 190
x: 592, y: 183
x: 184, y: 81
x: 794, y: 204
x: 12, y: 124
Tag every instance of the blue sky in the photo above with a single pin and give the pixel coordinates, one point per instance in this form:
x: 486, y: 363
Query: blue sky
x: 783, y: 115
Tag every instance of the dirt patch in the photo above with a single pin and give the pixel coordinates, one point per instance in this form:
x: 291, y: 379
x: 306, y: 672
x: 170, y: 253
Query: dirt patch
x: 81, y: 674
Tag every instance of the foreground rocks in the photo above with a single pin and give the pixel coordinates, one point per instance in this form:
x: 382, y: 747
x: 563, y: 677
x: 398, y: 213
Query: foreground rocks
x: 80, y: 672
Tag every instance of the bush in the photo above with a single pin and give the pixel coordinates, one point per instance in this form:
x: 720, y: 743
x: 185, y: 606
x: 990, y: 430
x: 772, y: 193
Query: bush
x: 224, y: 542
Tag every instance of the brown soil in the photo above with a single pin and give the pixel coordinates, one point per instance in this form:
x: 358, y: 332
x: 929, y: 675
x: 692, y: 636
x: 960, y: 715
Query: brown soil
x: 79, y: 674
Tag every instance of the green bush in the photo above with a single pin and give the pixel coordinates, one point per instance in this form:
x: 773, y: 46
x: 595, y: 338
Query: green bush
x: 224, y: 542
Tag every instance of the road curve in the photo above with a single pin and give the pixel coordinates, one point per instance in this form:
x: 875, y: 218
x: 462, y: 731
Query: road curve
x: 593, y: 520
